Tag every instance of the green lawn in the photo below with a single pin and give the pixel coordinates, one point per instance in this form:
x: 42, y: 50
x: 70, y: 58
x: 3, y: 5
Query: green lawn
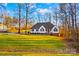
x: 15, y: 44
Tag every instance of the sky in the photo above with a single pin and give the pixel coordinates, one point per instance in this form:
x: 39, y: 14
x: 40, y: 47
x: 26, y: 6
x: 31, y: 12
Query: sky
x: 38, y: 9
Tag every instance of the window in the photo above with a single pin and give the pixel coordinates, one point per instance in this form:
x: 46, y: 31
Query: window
x: 42, y: 29
x: 33, y: 29
x: 36, y: 29
x: 55, y: 29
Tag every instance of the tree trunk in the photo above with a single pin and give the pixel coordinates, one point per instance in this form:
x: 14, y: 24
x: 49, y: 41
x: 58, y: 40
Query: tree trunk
x: 26, y: 18
x: 19, y: 17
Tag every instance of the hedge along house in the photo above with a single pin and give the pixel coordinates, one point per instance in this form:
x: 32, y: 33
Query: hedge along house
x: 45, y: 28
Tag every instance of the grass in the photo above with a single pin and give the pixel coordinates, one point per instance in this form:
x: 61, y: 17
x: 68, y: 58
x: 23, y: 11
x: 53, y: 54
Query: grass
x: 18, y: 44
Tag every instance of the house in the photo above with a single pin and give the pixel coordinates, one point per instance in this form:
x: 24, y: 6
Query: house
x: 3, y: 28
x: 45, y: 28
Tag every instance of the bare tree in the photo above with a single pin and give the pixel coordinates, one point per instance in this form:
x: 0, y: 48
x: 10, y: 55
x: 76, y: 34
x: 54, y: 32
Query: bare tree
x: 70, y: 23
x: 27, y: 10
x: 19, y: 10
x: 3, y: 13
x: 55, y: 16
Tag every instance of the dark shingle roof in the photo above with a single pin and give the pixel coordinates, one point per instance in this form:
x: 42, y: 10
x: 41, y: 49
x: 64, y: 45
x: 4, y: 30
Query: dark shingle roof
x: 47, y: 25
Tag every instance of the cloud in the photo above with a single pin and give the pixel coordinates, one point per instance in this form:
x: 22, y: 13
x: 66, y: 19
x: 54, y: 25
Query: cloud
x: 50, y: 7
x: 33, y: 6
x: 48, y: 3
x: 43, y: 11
x: 6, y: 4
x: 9, y: 13
x: 35, y: 13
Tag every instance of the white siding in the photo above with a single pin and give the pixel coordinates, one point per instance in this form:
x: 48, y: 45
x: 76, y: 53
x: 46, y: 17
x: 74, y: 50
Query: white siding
x: 3, y: 28
x: 39, y: 30
x: 44, y: 30
x: 52, y: 31
x: 34, y: 31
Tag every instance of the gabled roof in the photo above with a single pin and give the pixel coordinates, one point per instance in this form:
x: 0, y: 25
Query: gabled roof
x: 47, y: 25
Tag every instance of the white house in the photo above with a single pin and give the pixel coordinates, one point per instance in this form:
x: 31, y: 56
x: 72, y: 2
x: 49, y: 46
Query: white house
x: 45, y: 28
x: 3, y: 28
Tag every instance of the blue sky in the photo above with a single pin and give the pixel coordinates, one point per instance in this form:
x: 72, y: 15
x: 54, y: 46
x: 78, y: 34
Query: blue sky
x: 11, y: 6
x: 38, y: 9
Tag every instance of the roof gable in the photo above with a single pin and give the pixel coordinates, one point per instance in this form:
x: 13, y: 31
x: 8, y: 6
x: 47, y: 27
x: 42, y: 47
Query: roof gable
x: 47, y: 25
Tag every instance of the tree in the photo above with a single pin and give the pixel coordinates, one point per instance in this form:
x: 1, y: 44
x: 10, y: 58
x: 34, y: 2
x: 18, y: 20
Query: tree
x: 56, y: 17
x: 19, y: 10
x: 8, y: 21
x: 63, y: 12
x: 29, y: 11
x: 70, y: 13
x: 3, y: 13
x: 48, y: 17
